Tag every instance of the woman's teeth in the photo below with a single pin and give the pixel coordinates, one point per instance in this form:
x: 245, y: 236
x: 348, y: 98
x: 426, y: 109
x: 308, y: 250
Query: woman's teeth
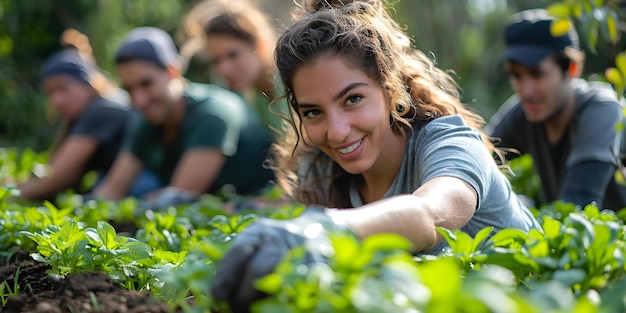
x: 350, y: 148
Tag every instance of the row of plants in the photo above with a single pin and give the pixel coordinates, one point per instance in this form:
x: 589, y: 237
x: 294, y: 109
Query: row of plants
x: 576, y: 264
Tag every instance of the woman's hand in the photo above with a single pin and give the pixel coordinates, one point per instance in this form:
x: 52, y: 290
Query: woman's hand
x: 257, y: 250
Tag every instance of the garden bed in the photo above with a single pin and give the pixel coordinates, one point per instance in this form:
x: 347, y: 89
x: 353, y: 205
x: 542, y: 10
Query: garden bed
x: 165, y: 262
x: 40, y: 292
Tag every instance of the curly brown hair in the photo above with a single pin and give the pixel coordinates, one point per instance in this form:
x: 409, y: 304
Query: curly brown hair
x: 366, y: 35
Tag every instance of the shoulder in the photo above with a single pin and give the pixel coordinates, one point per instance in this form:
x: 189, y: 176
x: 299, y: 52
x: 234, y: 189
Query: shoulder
x: 102, y: 111
x: 100, y: 104
x: 450, y: 125
x: 211, y: 101
x: 592, y: 95
x: 594, y: 90
x: 208, y: 93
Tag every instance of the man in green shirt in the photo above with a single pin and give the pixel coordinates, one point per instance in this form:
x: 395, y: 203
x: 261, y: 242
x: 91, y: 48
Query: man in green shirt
x: 195, y: 138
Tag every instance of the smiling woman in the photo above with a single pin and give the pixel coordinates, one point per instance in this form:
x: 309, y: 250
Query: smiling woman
x: 380, y: 139
x: 346, y: 115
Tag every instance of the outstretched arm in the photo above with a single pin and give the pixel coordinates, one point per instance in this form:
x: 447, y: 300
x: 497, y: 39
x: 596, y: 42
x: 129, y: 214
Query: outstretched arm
x: 120, y: 178
x: 443, y: 201
x: 198, y: 169
x: 67, y: 165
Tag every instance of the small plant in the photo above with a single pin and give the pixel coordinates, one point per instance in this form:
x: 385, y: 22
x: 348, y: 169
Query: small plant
x: 71, y: 250
x: 6, y: 291
x: 16, y: 220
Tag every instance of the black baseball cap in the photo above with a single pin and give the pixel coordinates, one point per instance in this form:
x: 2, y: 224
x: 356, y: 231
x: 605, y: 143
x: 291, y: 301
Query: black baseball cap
x: 148, y: 44
x: 529, y: 39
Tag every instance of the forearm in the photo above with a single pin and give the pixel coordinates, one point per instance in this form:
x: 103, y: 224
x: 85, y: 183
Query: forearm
x: 44, y: 188
x: 33, y: 189
x: 405, y: 215
x: 120, y: 178
x: 587, y: 182
x: 443, y: 201
x: 107, y: 193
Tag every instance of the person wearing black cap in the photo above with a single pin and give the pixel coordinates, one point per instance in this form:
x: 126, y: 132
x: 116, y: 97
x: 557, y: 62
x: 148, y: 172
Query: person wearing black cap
x: 196, y: 138
x: 94, y: 121
x: 568, y: 125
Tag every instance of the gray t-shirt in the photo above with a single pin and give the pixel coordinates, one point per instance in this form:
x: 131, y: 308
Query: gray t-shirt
x: 446, y: 146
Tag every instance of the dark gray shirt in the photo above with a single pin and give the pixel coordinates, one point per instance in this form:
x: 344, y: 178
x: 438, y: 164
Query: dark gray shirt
x: 105, y: 121
x: 591, y: 137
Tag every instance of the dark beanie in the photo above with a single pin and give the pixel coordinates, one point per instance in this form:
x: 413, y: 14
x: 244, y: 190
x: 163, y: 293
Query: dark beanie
x: 69, y: 62
x: 148, y: 44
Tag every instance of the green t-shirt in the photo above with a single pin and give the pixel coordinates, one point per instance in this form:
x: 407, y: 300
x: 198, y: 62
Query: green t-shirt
x: 214, y: 118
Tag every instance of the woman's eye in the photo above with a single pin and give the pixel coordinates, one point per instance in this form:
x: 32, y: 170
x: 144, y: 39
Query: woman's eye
x: 311, y: 113
x: 354, y: 99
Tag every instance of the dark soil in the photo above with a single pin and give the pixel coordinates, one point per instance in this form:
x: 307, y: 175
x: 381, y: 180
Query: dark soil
x: 128, y: 229
x: 15, y: 257
x: 88, y: 292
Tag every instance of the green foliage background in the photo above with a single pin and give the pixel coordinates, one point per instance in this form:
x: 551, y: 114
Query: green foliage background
x: 462, y: 35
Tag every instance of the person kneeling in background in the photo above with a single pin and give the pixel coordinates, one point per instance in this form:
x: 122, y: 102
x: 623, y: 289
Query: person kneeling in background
x: 196, y: 138
x: 94, y: 119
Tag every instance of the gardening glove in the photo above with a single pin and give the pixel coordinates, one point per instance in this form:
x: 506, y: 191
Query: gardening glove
x: 257, y: 250
x: 172, y: 196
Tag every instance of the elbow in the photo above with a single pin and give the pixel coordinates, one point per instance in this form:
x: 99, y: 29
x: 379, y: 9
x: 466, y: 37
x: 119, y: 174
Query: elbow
x: 421, y: 224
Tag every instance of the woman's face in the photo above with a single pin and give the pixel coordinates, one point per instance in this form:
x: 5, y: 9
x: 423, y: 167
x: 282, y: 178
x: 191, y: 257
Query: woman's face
x: 236, y: 61
x: 68, y: 95
x: 345, y: 113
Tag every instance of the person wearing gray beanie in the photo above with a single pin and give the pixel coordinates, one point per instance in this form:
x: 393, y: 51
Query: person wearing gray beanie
x: 196, y: 138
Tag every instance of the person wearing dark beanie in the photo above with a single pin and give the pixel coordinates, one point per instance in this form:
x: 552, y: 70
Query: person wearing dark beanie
x: 93, y: 121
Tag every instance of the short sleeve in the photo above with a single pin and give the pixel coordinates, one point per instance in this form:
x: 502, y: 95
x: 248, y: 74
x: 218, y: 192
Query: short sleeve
x: 132, y: 135
x: 451, y: 148
x: 596, y: 134
x: 213, y: 132
x: 101, y: 123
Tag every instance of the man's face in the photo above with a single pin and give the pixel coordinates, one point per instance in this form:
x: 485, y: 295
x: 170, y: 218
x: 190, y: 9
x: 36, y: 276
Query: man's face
x: 543, y: 90
x: 148, y: 87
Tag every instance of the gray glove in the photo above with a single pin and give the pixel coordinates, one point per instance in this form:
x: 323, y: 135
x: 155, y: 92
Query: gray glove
x: 257, y: 250
x: 172, y: 196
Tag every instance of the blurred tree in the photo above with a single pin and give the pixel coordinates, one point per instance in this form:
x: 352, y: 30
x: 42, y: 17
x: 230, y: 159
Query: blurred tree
x: 466, y: 36
x: 29, y: 32
x: 462, y: 35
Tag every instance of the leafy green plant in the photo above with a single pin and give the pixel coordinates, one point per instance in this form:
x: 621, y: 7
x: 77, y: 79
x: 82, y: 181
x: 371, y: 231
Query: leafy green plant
x: 19, y: 165
x: 15, y: 220
x: 70, y: 250
x: 7, y: 291
x: 187, y: 285
x: 524, y: 180
x: 165, y: 231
